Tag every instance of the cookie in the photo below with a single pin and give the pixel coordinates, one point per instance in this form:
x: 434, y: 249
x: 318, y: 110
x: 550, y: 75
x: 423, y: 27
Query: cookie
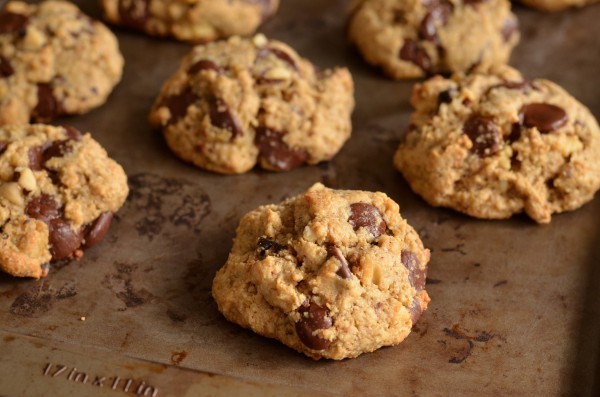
x: 414, y: 38
x: 556, y: 5
x: 198, y: 21
x: 235, y: 103
x: 330, y: 273
x: 54, y: 60
x: 58, y: 192
x: 493, y: 144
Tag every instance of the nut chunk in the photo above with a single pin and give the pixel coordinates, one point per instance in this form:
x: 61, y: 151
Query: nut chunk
x: 233, y: 104
x: 58, y: 193
x: 330, y: 273
x: 493, y: 144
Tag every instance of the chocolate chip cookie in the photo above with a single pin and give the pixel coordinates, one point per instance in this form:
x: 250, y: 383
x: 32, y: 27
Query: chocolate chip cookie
x: 414, y: 38
x: 233, y: 104
x: 54, y: 61
x: 557, y: 5
x: 58, y: 193
x: 493, y: 144
x: 330, y: 273
x: 197, y: 21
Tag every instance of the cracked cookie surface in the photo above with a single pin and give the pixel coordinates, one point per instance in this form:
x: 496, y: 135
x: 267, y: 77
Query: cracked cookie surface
x: 414, y: 38
x: 58, y: 193
x: 197, y: 21
x: 233, y: 104
x: 493, y: 144
x: 330, y: 273
x: 54, y: 60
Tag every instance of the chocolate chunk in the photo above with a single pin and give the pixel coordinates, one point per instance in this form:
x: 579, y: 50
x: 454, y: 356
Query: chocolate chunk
x: 367, y: 216
x: 416, y: 275
x: 275, y: 152
x: 72, y: 132
x: 446, y: 96
x: 35, y: 157
x: 56, y: 149
x: 344, y: 270
x: 3, y: 146
x: 314, y: 318
x: 511, y: 85
x: 204, y: 64
x: 509, y: 28
x: 134, y: 14
x: 484, y: 134
x: 280, y: 54
x: 178, y: 104
x: 63, y: 239
x: 96, y: 231
x: 222, y: 117
x: 48, y: 107
x: 543, y: 116
x: 267, y: 247
x: 43, y: 208
x: 12, y: 23
x: 515, y: 132
x: 6, y: 69
x: 412, y: 52
x: 438, y: 11
x: 415, y: 311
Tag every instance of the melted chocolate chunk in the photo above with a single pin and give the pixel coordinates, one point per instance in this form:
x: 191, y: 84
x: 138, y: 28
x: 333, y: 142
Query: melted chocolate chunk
x: 178, y: 104
x: 416, y: 275
x: 509, y: 28
x: 72, y: 132
x: 415, y: 311
x: 282, y: 55
x: 134, y: 14
x: 484, y: 134
x: 344, y: 270
x: 56, y: 149
x: 43, y: 208
x: 314, y: 318
x: 437, y: 11
x: 412, y: 52
x: 48, y: 107
x: 35, y: 155
x: 222, y: 117
x: 63, y: 239
x: 6, y: 69
x: 275, y: 152
x: 267, y: 247
x: 204, y: 64
x: 515, y: 132
x: 543, y: 116
x: 367, y: 216
x: 3, y: 146
x: 96, y: 231
x: 13, y: 23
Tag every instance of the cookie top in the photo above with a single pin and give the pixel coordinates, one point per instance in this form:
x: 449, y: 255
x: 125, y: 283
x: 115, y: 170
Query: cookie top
x: 330, y: 273
x: 556, y: 5
x: 197, y: 21
x: 493, y: 144
x: 58, y: 191
x: 233, y: 104
x: 54, y: 60
x: 414, y: 38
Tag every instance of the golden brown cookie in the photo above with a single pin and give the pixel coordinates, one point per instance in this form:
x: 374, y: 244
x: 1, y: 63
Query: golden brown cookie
x: 493, y: 144
x: 235, y: 103
x: 54, y: 60
x: 329, y: 273
x: 58, y: 192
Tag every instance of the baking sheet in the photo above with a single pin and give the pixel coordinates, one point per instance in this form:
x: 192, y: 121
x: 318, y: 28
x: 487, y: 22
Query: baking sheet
x: 515, y: 306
